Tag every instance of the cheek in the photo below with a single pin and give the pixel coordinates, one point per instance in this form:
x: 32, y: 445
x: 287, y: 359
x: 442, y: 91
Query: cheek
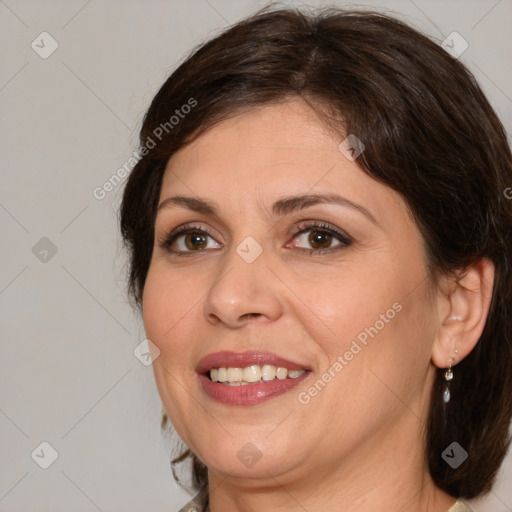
x: 370, y: 318
x: 165, y: 309
x: 166, y: 303
x: 153, y: 305
x: 345, y: 304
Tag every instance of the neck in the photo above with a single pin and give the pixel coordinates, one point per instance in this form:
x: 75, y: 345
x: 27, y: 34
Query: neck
x: 228, y: 495
x: 383, y: 475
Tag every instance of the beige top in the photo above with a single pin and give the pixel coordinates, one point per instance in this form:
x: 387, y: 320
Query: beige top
x: 460, y: 506
x: 197, y: 505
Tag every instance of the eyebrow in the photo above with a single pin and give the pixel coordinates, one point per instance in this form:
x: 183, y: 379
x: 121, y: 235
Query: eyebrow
x: 283, y: 206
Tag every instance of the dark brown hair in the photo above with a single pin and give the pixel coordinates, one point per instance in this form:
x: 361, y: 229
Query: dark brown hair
x: 430, y: 134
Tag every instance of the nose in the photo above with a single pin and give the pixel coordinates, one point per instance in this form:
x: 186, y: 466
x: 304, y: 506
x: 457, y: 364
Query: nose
x: 243, y: 293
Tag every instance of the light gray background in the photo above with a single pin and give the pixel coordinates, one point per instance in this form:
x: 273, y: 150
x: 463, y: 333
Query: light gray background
x: 68, y: 373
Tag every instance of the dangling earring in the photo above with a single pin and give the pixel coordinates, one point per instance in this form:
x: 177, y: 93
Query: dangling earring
x: 448, y: 377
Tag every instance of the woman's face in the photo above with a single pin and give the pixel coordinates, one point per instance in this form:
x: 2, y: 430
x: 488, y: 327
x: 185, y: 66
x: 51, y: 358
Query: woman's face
x: 272, y: 269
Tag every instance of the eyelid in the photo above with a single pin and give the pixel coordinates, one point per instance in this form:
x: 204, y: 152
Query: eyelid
x: 344, y: 240
x: 309, y: 225
x: 166, y: 241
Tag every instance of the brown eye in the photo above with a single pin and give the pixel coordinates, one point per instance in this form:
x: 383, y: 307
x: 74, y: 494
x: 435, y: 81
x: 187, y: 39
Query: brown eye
x: 320, y: 239
x: 189, y: 240
x: 195, y: 241
x: 317, y: 240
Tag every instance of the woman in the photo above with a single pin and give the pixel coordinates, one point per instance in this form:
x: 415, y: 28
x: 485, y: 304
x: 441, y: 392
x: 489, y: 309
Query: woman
x: 320, y: 245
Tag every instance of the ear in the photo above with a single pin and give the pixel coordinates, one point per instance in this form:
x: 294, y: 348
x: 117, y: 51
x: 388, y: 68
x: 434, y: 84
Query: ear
x: 463, y: 306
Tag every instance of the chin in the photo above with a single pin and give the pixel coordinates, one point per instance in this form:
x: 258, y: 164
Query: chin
x: 241, y: 457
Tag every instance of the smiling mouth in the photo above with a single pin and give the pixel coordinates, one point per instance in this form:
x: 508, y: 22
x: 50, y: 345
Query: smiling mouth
x: 254, y: 374
x: 249, y: 378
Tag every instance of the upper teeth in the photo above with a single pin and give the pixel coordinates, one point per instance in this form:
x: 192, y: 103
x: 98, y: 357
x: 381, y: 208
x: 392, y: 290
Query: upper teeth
x: 254, y: 373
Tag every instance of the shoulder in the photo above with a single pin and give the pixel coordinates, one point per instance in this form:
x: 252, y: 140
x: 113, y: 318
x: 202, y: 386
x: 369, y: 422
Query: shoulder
x: 460, y: 506
x: 198, y: 503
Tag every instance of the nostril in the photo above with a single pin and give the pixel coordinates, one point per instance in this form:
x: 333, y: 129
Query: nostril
x: 213, y: 319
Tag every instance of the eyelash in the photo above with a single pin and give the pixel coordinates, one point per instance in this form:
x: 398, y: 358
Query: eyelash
x: 304, y: 227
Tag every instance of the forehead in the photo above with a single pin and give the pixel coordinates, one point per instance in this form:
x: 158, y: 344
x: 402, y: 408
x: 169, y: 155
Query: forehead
x: 269, y: 132
x: 268, y: 152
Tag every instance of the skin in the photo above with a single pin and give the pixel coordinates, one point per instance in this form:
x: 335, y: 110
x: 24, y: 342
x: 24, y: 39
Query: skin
x: 357, y: 445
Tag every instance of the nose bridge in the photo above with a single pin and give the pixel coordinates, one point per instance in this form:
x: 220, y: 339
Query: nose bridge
x: 244, y: 288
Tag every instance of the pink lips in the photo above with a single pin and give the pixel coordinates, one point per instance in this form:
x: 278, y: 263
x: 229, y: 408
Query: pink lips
x: 251, y: 394
x: 242, y: 359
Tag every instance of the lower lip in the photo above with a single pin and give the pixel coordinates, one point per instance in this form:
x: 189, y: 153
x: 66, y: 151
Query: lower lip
x: 251, y: 394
